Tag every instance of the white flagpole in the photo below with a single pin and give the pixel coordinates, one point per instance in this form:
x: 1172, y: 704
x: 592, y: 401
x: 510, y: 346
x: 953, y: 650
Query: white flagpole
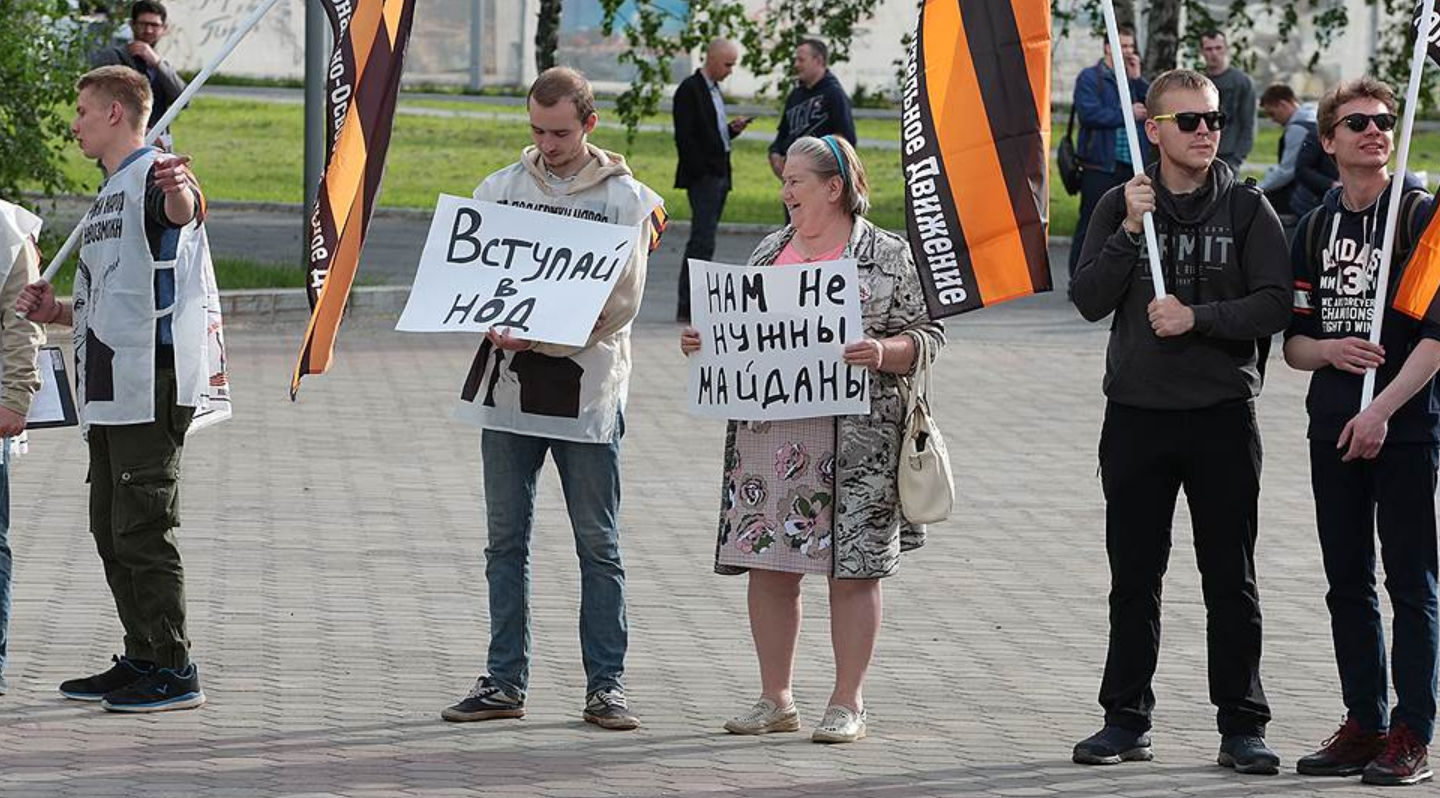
x: 169, y: 116
x: 1397, y: 187
x: 1137, y: 159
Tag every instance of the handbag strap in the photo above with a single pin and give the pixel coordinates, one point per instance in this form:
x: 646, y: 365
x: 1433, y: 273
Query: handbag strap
x: 1070, y: 126
x: 919, y: 383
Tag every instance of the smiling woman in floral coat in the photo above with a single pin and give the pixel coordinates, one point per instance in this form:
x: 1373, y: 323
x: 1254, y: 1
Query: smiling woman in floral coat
x: 819, y: 495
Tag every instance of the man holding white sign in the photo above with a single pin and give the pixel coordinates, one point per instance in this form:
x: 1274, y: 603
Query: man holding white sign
x: 533, y: 398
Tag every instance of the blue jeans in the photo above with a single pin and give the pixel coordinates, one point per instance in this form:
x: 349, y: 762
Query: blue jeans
x: 590, y: 479
x: 1394, y: 496
x: 6, y: 562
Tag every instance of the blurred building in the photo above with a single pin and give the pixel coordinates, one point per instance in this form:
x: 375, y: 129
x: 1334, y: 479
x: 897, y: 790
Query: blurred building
x: 441, y: 50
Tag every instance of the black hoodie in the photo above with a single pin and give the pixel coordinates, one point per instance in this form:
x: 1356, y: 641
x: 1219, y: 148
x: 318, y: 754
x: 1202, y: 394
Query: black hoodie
x: 1239, y: 292
x: 819, y: 110
x: 1334, y: 298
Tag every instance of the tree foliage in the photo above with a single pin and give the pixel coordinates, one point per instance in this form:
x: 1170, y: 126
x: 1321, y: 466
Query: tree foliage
x: 1327, y: 21
x: 659, y: 32
x: 42, y: 52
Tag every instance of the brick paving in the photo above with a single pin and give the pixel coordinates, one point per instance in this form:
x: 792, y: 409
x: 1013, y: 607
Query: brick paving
x: 337, y: 602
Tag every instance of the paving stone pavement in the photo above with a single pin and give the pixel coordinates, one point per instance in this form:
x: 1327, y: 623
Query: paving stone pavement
x: 335, y: 578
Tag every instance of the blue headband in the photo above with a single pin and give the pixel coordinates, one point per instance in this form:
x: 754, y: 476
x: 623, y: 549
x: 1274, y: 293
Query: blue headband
x: 839, y: 160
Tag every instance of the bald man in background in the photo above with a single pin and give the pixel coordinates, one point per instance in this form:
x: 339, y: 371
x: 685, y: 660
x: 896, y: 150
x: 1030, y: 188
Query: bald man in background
x: 703, y: 134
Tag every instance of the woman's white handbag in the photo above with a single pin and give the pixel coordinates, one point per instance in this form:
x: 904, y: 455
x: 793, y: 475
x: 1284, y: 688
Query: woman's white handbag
x: 927, y: 489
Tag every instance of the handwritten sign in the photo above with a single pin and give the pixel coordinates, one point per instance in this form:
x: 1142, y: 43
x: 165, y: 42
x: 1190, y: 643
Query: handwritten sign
x: 542, y: 276
x: 773, y: 341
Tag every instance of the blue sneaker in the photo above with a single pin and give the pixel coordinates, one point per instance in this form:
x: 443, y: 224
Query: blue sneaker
x: 161, y: 690
x: 1247, y: 753
x: 123, y: 673
x: 1113, y: 745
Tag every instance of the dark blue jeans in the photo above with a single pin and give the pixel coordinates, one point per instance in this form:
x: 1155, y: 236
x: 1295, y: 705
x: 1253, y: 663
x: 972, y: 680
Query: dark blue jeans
x: 707, y: 202
x: 590, y: 479
x: 1093, y: 186
x: 1393, y: 494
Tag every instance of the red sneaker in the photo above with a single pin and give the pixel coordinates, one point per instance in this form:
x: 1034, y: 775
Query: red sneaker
x: 1346, y: 753
x: 1404, y: 760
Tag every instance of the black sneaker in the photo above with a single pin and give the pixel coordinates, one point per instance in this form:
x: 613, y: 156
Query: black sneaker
x: 1248, y: 753
x: 1113, y: 745
x: 1405, y: 760
x: 485, y: 701
x: 1346, y: 753
x: 123, y: 673
x: 608, y: 710
x: 161, y: 690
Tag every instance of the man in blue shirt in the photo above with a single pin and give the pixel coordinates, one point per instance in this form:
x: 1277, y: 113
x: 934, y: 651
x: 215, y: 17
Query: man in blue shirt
x: 1103, y: 148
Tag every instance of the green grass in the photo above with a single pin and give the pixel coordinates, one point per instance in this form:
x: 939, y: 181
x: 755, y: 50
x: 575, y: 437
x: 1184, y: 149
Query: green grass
x: 230, y: 273
x: 251, y: 151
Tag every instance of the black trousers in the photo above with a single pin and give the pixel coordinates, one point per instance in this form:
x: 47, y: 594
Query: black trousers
x: 1146, y: 458
x: 1093, y: 186
x: 707, y: 202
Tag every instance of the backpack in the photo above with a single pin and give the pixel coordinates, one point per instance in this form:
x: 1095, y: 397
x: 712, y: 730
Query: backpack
x: 1244, y: 204
x: 1312, y: 229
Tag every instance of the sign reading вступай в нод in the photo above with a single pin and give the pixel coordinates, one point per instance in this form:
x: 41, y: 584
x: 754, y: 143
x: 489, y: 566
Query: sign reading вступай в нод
x: 542, y: 276
x: 773, y: 341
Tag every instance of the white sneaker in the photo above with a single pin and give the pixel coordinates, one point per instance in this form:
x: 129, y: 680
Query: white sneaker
x: 840, y: 725
x: 765, y: 717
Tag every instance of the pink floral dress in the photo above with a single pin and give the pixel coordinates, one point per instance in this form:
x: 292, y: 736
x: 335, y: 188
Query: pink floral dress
x: 778, y: 512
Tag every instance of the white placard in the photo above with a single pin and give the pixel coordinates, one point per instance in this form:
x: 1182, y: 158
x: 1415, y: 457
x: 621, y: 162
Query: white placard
x: 53, y: 404
x: 543, y: 276
x: 773, y: 341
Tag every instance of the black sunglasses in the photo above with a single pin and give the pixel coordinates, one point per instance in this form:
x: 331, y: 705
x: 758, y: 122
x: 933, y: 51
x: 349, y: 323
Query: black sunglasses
x: 1360, y: 122
x: 1189, y: 121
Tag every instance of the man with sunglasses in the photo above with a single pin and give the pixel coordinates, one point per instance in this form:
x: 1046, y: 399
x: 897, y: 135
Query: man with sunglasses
x: 1182, y: 373
x: 1372, y: 469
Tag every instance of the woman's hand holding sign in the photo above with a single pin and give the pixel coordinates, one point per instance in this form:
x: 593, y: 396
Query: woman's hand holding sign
x: 689, y: 341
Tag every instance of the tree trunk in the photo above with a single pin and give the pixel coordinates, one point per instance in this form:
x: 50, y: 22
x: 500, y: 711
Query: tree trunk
x: 547, y: 34
x: 1162, y: 36
x: 1124, y: 12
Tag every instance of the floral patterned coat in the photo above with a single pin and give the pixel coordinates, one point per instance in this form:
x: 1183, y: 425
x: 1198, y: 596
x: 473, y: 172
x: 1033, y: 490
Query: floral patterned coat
x: 869, y: 531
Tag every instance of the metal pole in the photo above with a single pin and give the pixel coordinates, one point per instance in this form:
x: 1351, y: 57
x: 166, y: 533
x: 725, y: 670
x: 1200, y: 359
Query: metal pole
x: 1397, y: 187
x: 247, y: 25
x: 317, y: 57
x: 477, y: 12
x: 1122, y: 82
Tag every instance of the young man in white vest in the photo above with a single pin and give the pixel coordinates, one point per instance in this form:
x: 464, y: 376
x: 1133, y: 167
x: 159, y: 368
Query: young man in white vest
x: 139, y: 378
x: 20, y: 340
x: 535, y: 398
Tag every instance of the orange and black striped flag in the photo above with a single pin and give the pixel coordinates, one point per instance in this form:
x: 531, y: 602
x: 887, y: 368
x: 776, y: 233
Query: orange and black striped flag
x: 363, y: 87
x: 1420, y: 282
x: 975, y: 135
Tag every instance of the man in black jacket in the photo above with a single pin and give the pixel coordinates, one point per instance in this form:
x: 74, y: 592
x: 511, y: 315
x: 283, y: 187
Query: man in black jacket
x: 1181, y: 376
x: 702, y: 138
x: 817, y: 106
x: 148, y: 23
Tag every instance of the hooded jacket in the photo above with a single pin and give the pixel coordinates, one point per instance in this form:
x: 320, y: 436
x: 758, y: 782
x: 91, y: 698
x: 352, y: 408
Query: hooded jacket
x: 1334, y: 296
x: 1230, y: 271
x: 568, y: 392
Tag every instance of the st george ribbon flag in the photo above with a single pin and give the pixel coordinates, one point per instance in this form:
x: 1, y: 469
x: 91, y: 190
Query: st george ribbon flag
x: 1416, y: 295
x: 975, y: 136
x: 363, y: 87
